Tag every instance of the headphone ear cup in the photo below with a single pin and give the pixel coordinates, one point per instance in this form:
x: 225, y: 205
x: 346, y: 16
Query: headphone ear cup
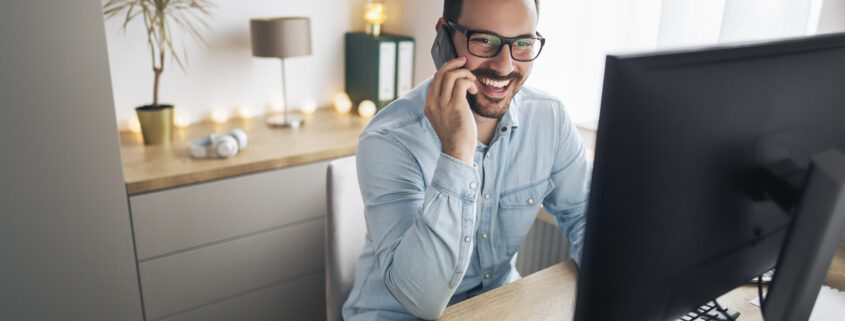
x: 240, y: 136
x: 200, y: 147
x: 225, y: 146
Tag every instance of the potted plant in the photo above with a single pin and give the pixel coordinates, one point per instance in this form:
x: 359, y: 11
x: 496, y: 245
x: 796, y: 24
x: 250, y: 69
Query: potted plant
x: 160, y: 17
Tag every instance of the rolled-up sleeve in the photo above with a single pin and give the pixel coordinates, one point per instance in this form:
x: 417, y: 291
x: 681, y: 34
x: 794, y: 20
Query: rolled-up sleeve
x: 422, y: 235
x: 571, y: 176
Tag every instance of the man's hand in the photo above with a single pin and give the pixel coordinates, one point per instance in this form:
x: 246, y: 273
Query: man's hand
x: 448, y: 111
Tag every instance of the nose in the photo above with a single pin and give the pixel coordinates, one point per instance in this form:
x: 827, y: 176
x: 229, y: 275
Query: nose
x: 502, y: 63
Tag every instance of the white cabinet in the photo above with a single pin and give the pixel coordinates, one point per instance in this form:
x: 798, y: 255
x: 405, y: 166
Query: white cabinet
x: 248, y: 243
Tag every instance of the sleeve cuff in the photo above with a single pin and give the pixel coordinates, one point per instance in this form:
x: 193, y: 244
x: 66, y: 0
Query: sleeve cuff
x: 456, y: 177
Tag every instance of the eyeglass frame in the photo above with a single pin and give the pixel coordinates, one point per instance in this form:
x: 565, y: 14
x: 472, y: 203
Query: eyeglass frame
x: 505, y: 40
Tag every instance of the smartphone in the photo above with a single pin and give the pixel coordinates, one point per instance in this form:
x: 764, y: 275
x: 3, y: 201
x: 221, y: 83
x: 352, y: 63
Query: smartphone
x: 442, y: 50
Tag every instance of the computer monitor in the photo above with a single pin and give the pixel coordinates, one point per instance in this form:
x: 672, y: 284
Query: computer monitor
x: 702, y: 175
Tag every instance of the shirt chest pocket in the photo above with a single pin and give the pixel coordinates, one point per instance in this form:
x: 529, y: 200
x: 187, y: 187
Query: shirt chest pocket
x: 517, y: 210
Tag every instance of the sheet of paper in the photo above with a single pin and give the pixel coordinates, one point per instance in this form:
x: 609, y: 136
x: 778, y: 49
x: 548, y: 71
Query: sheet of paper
x: 387, y: 71
x: 405, y: 77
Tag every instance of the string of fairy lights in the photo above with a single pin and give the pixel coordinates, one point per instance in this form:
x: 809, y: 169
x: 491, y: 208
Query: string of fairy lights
x: 340, y: 102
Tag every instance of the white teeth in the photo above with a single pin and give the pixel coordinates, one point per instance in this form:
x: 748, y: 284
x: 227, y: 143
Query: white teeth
x: 495, y: 83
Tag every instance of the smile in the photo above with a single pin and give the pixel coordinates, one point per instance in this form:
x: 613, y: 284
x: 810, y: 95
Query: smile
x: 495, y: 90
x: 495, y: 83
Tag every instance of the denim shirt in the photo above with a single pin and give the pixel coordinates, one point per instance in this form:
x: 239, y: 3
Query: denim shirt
x: 440, y: 230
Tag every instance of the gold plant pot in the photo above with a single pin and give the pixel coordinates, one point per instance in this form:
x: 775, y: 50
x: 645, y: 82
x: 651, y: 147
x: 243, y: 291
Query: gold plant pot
x: 156, y: 123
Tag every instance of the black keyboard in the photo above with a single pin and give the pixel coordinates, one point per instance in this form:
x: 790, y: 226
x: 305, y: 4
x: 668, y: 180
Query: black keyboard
x: 707, y: 312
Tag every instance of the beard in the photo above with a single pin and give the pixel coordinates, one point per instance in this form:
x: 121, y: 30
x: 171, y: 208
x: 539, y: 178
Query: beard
x: 490, y: 109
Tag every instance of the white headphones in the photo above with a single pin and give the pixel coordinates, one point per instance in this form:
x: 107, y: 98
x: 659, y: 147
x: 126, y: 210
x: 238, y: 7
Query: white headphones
x: 219, y: 145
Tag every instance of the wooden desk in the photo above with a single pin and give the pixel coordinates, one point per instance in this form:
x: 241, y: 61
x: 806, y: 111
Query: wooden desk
x: 550, y: 295
x: 203, y: 229
x: 325, y: 135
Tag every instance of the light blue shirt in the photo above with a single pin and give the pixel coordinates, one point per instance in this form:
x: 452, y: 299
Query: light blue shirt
x: 440, y: 230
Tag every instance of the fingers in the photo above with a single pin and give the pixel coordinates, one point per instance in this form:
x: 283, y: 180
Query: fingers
x: 449, y: 83
x: 434, y: 90
x: 462, y: 86
x: 453, y: 64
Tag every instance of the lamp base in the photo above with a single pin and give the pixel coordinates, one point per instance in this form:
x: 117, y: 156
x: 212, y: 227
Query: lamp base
x: 373, y: 29
x: 291, y: 121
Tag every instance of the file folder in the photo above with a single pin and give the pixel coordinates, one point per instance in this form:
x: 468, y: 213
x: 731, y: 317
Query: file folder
x: 378, y: 68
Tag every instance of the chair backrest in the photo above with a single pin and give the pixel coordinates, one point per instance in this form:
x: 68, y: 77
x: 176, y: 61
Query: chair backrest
x: 346, y: 231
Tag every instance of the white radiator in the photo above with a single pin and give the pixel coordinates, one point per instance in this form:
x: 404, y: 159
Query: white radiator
x: 543, y: 247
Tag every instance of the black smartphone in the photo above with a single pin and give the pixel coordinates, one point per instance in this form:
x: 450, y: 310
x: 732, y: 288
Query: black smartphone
x: 442, y: 50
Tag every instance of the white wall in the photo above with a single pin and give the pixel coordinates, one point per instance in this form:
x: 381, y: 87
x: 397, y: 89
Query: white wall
x: 749, y: 20
x: 579, y: 35
x: 832, y: 17
x: 224, y: 74
x: 690, y: 23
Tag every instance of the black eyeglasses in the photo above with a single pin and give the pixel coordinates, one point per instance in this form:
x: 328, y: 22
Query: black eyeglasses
x: 485, y: 44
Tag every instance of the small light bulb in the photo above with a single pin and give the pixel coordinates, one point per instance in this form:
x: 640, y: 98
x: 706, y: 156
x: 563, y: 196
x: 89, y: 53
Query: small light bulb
x: 134, y: 125
x: 367, y: 108
x: 275, y: 105
x: 375, y: 13
x: 342, y: 104
x: 243, y: 112
x: 219, y: 116
x: 308, y: 107
x: 180, y: 119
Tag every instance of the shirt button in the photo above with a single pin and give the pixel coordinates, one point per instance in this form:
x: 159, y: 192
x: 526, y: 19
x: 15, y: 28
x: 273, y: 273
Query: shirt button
x: 486, y: 276
x: 530, y: 201
x: 504, y: 129
x: 474, y: 164
x: 484, y: 236
x: 473, y: 185
x: 487, y: 196
x: 467, y: 239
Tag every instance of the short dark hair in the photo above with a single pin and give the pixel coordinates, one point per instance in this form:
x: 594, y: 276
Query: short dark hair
x: 452, y: 9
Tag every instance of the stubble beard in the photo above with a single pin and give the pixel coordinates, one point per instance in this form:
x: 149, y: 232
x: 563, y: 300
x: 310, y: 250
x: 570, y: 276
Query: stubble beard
x: 494, y: 111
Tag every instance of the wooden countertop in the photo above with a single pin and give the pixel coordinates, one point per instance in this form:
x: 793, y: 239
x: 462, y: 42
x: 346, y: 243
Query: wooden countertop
x: 549, y: 294
x: 324, y: 135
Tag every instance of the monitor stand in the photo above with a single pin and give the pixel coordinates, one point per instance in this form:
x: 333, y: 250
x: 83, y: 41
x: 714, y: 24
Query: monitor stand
x: 810, y: 242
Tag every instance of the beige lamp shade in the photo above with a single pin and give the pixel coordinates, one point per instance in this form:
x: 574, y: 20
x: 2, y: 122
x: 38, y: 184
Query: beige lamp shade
x: 280, y: 37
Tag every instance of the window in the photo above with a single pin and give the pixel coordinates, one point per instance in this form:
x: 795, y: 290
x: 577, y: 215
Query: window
x: 581, y: 32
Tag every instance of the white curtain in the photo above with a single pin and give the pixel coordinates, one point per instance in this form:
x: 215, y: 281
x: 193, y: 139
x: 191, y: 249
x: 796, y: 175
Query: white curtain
x: 581, y: 32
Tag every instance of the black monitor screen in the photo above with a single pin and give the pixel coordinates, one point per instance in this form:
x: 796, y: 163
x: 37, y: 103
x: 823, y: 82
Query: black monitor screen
x: 672, y: 221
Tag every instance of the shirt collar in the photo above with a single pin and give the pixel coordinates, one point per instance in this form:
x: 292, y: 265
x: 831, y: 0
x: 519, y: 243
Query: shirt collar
x: 511, y: 117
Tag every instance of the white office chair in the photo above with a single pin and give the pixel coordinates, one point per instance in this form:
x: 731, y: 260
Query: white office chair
x: 346, y: 231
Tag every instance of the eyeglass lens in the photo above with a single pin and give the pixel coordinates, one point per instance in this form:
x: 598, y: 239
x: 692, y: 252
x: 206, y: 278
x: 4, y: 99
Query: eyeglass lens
x: 487, y: 45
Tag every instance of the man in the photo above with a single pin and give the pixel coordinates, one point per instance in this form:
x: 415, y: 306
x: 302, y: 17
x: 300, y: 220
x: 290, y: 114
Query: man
x: 453, y: 173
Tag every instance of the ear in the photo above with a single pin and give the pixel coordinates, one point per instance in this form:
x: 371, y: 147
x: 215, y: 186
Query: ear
x: 440, y: 21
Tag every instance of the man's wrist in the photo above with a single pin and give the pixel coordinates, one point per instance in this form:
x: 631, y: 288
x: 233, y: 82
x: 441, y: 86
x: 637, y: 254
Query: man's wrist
x: 459, y: 154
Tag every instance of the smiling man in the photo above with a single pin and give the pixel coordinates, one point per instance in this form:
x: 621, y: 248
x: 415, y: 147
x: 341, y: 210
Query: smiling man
x: 453, y: 173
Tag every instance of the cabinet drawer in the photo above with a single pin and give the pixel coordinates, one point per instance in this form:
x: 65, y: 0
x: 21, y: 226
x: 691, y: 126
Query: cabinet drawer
x: 201, y: 214
x: 188, y: 280
x: 300, y: 299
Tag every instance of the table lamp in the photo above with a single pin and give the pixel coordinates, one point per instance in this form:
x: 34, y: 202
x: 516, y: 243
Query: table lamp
x: 375, y: 15
x: 281, y: 38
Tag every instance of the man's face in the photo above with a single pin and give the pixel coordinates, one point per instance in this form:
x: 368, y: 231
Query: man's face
x: 509, y: 18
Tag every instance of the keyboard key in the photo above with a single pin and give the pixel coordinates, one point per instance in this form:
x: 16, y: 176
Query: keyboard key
x: 708, y: 312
